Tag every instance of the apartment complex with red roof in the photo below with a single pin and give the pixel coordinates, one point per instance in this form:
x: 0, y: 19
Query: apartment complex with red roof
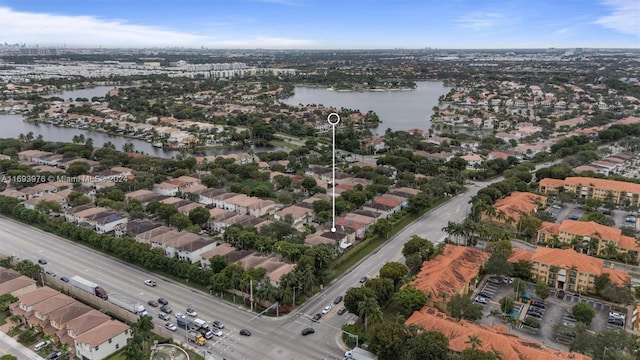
x: 567, y: 269
x: 617, y: 192
x: 450, y: 273
x: 585, y: 232
x: 514, y: 205
x: 510, y: 346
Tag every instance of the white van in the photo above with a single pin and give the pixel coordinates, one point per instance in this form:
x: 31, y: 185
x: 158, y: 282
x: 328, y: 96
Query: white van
x: 41, y: 345
x: 201, y: 324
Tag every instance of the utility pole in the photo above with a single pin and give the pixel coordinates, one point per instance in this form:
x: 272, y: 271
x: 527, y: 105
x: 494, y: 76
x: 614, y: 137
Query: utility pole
x: 251, y: 290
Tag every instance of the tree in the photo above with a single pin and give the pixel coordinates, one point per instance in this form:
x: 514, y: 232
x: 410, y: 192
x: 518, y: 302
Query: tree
x: 418, y: 245
x: 519, y: 286
x: 462, y: 307
x: 507, y: 304
x: 218, y: 263
x: 474, y: 341
x: 180, y: 221
x: 600, y: 283
x: 394, y: 271
x: 366, y: 308
x: 382, y: 287
x: 382, y: 227
x: 522, y: 269
x: 409, y: 300
x: 583, y: 313
x: 499, y: 266
x: 501, y: 248
x: 542, y: 290
x: 199, y: 216
x: 476, y: 354
x: 356, y: 295
x: 388, y: 340
x: 426, y: 345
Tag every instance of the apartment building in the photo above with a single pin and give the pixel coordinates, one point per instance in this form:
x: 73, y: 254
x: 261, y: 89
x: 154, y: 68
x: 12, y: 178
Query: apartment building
x: 593, y: 237
x: 614, y: 191
x: 566, y: 269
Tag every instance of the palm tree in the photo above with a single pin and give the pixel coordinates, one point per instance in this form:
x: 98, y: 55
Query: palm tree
x: 474, y: 341
x: 366, y: 308
x: 491, y: 212
x: 501, y: 215
x: 610, y: 250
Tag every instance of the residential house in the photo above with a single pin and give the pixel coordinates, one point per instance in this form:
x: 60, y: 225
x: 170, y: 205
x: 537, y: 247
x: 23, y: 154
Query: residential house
x: 14, y: 283
x: 567, y: 269
x: 299, y: 216
x: 142, y: 195
x: 218, y: 217
x: 43, y: 309
x: 453, y: 272
x: 220, y: 250
x: 136, y: 227
x: 490, y: 339
x: 603, y: 238
x: 79, y: 325
x: 473, y: 161
x: 102, y: 341
x: 207, y: 196
x: 33, y: 202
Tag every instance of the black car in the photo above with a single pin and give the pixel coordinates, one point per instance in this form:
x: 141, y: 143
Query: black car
x: 245, y: 332
x: 561, y: 294
x: 316, y: 317
x: 342, y: 311
x: 65, y: 279
x: 338, y: 300
x: 307, y: 331
x: 166, y: 309
x: 534, y: 314
x: 539, y: 304
x: 153, y: 303
x: 163, y: 301
x: 54, y: 355
x: 42, y: 261
x: 484, y: 295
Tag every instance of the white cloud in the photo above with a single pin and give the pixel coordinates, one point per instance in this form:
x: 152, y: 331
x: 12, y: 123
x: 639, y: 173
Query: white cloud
x: 479, y: 20
x: 56, y: 30
x: 624, y: 18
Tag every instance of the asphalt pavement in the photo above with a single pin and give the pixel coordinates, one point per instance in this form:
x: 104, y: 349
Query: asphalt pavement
x: 9, y: 345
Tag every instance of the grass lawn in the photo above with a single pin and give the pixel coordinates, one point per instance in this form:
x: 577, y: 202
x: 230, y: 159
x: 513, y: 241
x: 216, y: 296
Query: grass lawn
x: 282, y: 143
x: 3, y: 317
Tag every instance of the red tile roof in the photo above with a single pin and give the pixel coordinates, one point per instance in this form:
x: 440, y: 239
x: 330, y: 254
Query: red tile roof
x: 498, y: 337
x: 449, y: 272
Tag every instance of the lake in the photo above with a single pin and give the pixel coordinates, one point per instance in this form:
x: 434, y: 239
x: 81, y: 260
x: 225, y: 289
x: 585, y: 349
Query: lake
x: 398, y: 110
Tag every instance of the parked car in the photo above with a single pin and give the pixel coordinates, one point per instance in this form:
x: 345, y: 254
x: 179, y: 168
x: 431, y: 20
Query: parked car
x: 326, y: 309
x: 170, y: 326
x: 42, y: 261
x: 245, y: 332
x: 166, y: 308
x: 153, y: 303
x: 494, y: 280
x: 54, y: 355
x: 615, y: 315
x: 561, y: 294
x: 534, y: 314
x: 65, y: 279
x: 485, y: 295
x: 308, y: 331
x: 218, y: 324
x: 163, y: 301
x: 481, y: 300
x: 151, y: 283
x: 539, y: 304
x: 342, y: 311
x: 191, y: 312
x: 41, y: 345
x: 338, y: 300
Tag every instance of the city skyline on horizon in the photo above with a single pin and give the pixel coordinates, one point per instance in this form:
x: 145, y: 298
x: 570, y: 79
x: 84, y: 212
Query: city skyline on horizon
x: 289, y: 24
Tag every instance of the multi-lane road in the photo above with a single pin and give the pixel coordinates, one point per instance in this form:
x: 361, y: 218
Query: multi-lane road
x: 271, y: 338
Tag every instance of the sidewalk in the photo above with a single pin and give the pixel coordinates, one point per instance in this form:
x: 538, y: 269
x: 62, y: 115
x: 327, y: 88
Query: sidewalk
x: 11, y: 346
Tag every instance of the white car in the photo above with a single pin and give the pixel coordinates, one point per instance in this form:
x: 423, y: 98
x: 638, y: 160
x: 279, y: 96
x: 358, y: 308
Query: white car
x: 481, y: 300
x: 616, y: 315
x: 326, y: 309
x: 191, y: 312
x: 171, y: 326
x: 217, y: 333
x: 179, y: 315
x: 151, y: 283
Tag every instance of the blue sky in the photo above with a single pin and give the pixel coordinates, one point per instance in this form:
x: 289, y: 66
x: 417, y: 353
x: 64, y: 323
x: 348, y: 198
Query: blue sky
x: 323, y: 24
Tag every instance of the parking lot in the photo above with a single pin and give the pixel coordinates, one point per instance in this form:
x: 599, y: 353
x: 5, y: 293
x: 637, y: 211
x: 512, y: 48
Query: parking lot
x: 553, y: 314
x: 573, y: 211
